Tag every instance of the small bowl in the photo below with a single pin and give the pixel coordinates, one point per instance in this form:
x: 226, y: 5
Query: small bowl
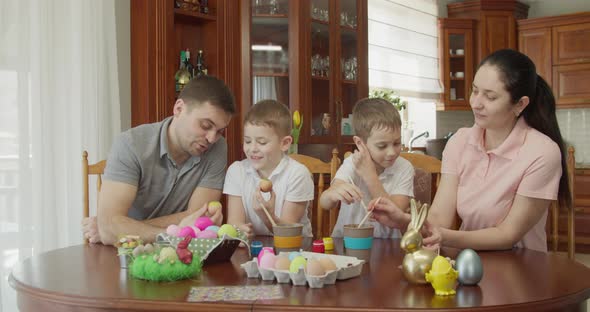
x: 460, y: 51
x: 459, y: 74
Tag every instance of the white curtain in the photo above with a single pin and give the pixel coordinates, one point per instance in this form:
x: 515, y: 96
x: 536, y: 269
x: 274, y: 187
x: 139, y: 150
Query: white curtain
x: 58, y: 96
x: 403, y: 46
x: 264, y: 88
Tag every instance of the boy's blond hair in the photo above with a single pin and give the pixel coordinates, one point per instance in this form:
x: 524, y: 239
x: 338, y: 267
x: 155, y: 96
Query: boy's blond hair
x: 270, y: 113
x: 369, y: 114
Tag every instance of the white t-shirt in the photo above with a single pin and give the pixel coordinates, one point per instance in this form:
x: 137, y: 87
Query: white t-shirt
x: 291, y: 181
x: 396, y: 180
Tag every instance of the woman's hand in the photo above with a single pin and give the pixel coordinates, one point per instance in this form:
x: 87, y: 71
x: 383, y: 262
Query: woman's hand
x: 432, y: 236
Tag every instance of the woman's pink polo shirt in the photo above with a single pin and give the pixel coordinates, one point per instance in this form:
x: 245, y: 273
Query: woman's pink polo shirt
x: 527, y: 163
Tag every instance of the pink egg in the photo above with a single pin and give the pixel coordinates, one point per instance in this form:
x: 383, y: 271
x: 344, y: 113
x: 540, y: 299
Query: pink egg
x: 172, y: 230
x: 203, y: 222
x: 268, y: 261
x: 206, y: 234
x: 187, y: 230
x: 264, y: 251
x: 196, y: 229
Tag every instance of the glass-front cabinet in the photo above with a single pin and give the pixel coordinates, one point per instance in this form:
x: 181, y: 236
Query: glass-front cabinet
x: 310, y: 55
x: 456, y: 59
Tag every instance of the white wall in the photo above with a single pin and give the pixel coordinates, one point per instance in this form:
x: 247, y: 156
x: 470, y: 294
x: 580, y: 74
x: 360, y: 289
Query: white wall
x: 540, y: 8
x: 122, y: 16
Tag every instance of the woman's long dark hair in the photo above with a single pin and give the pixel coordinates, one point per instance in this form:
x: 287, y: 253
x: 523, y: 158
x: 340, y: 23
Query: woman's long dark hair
x: 519, y: 75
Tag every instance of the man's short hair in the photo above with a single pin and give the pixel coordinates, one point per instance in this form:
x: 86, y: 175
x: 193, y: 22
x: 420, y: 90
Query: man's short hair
x: 208, y: 89
x: 369, y: 114
x: 270, y: 113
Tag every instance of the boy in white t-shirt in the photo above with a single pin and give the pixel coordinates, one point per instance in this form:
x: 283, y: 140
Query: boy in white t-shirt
x: 267, y: 129
x: 372, y: 171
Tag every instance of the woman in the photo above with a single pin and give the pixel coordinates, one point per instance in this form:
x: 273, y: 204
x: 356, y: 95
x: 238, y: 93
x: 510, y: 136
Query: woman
x: 500, y: 175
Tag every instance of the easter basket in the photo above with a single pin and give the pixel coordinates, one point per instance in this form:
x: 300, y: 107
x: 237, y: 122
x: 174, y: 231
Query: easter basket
x: 209, y: 250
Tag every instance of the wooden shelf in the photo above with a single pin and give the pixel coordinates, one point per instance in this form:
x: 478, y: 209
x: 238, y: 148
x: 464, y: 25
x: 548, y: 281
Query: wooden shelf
x: 270, y: 16
x: 320, y: 77
x: 458, y: 79
x: 195, y: 15
x: 351, y: 82
x: 270, y: 74
x: 457, y: 56
x: 349, y: 28
x: 313, y: 20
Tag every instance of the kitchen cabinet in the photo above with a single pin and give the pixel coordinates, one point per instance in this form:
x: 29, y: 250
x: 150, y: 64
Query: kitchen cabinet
x: 456, y: 62
x: 560, y: 48
x: 160, y: 29
x: 312, y: 56
x: 483, y: 26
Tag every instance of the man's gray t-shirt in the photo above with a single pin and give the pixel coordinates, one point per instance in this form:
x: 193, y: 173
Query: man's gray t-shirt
x: 139, y: 157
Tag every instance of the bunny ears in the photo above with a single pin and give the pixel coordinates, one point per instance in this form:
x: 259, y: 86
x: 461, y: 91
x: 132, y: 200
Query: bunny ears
x: 418, y: 215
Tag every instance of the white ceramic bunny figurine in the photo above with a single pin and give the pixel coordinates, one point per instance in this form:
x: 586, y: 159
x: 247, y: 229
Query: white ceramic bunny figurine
x: 417, y: 260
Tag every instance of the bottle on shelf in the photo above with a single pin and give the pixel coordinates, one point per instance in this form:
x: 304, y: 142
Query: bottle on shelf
x: 182, y: 76
x: 189, y: 66
x: 204, y: 8
x: 201, y: 67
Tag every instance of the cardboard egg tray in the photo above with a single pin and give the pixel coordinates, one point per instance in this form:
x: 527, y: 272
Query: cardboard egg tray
x: 347, y: 267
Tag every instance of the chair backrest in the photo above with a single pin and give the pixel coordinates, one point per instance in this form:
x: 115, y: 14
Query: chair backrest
x: 87, y: 170
x: 320, y: 168
x: 427, y: 175
x: 555, y: 209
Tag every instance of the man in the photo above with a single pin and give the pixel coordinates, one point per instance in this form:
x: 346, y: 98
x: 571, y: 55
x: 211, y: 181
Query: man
x: 165, y: 173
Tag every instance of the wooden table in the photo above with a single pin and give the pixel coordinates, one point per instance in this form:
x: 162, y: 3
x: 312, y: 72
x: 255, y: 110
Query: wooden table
x: 88, y: 278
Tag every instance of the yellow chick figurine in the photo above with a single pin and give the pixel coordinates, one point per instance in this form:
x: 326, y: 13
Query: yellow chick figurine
x: 442, y: 277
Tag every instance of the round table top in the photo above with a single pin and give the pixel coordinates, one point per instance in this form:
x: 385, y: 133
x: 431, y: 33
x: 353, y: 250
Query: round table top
x: 90, y: 276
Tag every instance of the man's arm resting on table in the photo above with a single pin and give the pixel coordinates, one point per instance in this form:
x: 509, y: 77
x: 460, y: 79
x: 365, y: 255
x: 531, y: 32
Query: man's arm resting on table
x: 114, y: 204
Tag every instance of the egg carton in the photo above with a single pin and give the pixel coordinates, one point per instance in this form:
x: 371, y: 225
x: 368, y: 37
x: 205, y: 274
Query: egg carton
x: 347, y: 267
x: 301, y: 278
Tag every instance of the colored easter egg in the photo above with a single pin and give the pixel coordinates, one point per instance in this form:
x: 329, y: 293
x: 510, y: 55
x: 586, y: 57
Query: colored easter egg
x: 297, y: 263
x: 265, y: 250
x: 172, y: 230
x: 227, y: 229
x: 203, y: 222
x: 294, y: 254
x: 206, y: 234
x: 213, y: 228
x: 469, y: 266
x: 187, y: 230
x: 267, y: 261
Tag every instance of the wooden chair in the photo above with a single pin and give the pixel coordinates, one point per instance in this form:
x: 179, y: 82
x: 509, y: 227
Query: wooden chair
x: 570, y: 211
x: 316, y: 166
x: 427, y: 176
x: 87, y: 170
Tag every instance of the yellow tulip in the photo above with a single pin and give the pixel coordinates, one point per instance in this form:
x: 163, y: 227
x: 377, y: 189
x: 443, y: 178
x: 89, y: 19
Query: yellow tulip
x: 296, y: 119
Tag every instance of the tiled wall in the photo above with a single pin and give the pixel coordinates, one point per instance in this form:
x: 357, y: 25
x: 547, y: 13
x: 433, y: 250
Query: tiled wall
x: 575, y: 128
x: 451, y: 121
x: 573, y: 123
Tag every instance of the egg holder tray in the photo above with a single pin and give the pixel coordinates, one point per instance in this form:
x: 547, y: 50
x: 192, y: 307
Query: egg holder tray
x: 210, y: 250
x: 347, y: 267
